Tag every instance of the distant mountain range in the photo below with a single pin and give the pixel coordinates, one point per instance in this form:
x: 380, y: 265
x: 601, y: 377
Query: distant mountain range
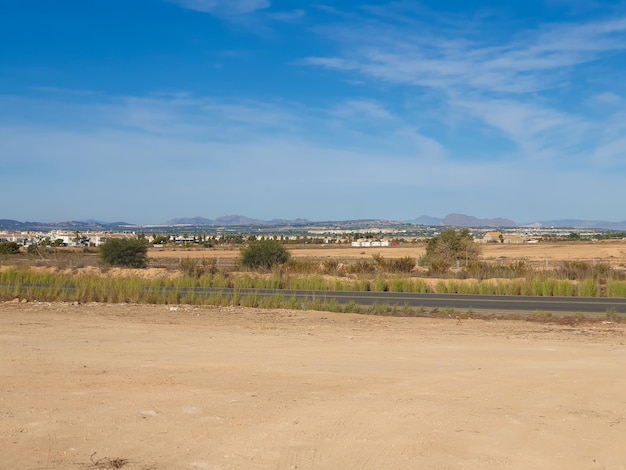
x: 450, y: 220
x: 80, y: 225
x: 579, y: 224
x: 462, y: 220
x: 233, y: 220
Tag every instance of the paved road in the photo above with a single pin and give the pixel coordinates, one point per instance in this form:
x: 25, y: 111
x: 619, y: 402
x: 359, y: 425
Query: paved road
x: 496, y: 304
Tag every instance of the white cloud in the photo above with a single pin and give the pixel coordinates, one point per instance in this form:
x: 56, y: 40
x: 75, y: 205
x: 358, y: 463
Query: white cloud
x: 363, y: 109
x: 430, y: 59
x: 484, y: 77
x: 361, y: 158
x: 292, y: 16
x: 205, y: 149
x: 224, y: 7
x: 607, y: 98
x: 539, y: 132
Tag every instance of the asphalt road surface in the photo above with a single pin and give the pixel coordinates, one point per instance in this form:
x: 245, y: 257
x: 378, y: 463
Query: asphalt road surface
x: 493, y: 303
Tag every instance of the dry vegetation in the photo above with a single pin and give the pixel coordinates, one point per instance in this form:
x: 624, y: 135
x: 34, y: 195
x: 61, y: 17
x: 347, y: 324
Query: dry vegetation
x: 550, y: 269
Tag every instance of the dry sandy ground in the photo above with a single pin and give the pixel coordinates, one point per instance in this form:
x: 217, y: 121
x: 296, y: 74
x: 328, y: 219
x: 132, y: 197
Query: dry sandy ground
x: 151, y: 387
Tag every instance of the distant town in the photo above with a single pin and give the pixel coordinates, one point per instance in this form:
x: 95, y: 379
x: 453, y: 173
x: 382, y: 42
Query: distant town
x: 357, y: 233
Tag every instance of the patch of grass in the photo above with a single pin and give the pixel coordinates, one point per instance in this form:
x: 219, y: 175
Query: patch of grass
x: 31, y: 284
x: 541, y: 316
x: 616, y: 288
x: 612, y: 314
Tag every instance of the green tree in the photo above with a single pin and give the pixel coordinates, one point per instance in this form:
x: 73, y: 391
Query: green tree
x: 9, y: 248
x: 264, y: 254
x: 160, y: 239
x: 127, y: 252
x: 449, y: 248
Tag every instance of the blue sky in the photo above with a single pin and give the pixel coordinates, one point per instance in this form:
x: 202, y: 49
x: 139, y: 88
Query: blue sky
x: 145, y: 110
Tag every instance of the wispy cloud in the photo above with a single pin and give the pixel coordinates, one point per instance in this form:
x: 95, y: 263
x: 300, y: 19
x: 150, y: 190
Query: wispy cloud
x: 291, y: 16
x: 607, y: 98
x: 224, y: 8
x: 209, y: 148
x: 406, y: 111
x: 364, y: 108
x: 255, y: 16
x: 423, y: 56
x: 541, y: 133
x: 484, y: 77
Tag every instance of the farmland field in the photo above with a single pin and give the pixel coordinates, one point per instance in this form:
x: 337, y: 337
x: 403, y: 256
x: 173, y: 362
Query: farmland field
x: 611, y: 251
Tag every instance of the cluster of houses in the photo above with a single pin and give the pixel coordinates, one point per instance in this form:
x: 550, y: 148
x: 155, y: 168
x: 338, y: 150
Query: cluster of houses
x: 508, y: 238
x: 60, y: 238
x: 371, y: 243
x: 489, y: 237
x: 78, y: 239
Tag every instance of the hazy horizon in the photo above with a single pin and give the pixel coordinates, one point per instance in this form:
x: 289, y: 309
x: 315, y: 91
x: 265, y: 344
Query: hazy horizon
x: 175, y: 220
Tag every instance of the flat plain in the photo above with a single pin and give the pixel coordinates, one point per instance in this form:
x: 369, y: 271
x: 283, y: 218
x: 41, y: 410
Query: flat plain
x: 608, y: 251
x: 108, y: 386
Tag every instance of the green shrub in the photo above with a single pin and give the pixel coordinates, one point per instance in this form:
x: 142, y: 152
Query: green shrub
x: 449, y: 248
x: 127, y: 252
x: 264, y: 254
x: 9, y: 248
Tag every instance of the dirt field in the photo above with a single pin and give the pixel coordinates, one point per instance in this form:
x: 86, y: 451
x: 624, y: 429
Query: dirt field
x: 612, y: 252
x: 157, y: 387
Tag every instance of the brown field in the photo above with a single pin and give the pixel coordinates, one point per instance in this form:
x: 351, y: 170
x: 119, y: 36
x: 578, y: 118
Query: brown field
x: 156, y: 387
x: 612, y: 252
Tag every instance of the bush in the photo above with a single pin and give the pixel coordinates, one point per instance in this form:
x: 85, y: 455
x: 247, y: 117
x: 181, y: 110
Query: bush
x: 401, y: 265
x: 302, y: 266
x: 264, y: 254
x: 361, y: 267
x: 197, y: 268
x: 449, y: 248
x: 9, y: 248
x: 329, y: 266
x: 127, y: 252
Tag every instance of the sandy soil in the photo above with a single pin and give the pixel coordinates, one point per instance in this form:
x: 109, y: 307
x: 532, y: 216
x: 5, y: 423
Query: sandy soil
x: 157, y: 387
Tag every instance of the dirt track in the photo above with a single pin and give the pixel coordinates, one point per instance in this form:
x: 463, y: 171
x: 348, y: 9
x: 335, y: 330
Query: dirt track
x: 147, y: 387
